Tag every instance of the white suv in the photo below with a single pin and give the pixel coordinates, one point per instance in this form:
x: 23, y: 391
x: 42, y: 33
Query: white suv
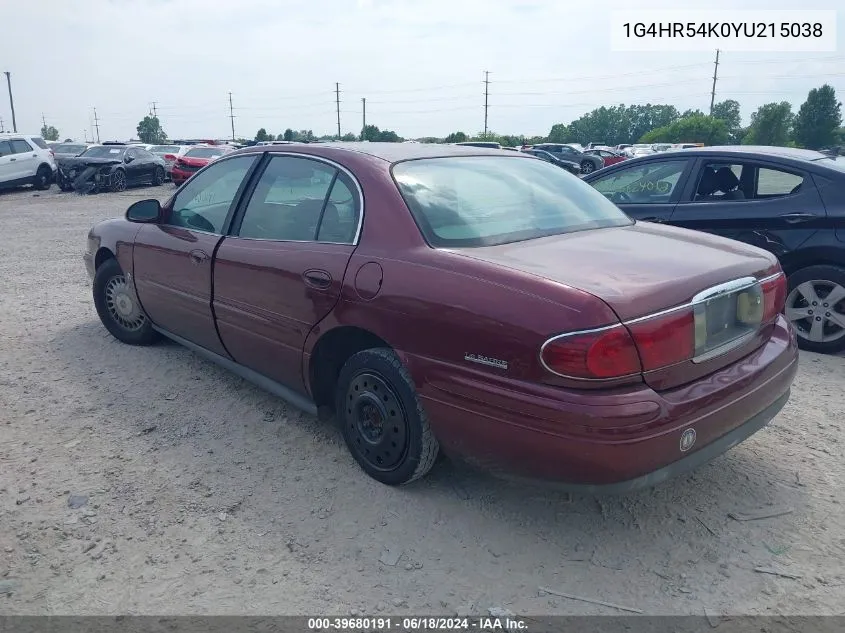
x: 26, y: 159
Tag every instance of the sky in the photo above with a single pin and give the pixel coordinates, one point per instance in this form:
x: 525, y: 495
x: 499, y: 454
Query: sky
x: 420, y: 64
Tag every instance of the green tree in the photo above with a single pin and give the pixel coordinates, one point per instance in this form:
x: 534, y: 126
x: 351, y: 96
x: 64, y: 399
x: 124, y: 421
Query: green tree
x: 349, y: 136
x: 261, y: 135
x: 728, y: 111
x: 696, y: 128
x: 49, y: 133
x: 371, y: 133
x: 288, y: 135
x: 818, y: 119
x: 456, y: 137
x: 389, y: 136
x: 150, y: 131
x: 771, y: 124
x: 639, y: 119
x: 689, y: 113
x: 559, y: 133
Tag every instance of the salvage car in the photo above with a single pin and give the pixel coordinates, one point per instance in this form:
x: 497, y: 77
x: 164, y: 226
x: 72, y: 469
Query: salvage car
x: 568, y: 165
x: 572, y: 153
x: 481, y: 302
x: 109, y: 167
x: 788, y: 201
x: 169, y: 153
x: 68, y: 150
x: 194, y: 159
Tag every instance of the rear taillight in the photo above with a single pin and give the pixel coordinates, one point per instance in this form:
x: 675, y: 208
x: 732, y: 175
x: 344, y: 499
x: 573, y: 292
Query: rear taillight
x: 774, y: 296
x: 666, y: 339
x: 170, y: 157
x: 179, y: 161
x: 597, y: 354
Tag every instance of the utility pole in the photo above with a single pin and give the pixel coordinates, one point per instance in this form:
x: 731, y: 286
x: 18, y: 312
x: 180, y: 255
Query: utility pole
x: 232, y: 116
x: 43, y: 120
x: 97, y: 125
x: 1, y: 125
x: 11, y: 101
x: 486, y: 95
x: 715, y: 74
x: 337, y: 101
x: 154, y: 112
x: 364, y: 128
x: 85, y: 135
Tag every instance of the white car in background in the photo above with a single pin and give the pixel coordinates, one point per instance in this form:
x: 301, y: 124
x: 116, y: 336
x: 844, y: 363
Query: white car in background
x: 169, y: 153
x: 26, y: 159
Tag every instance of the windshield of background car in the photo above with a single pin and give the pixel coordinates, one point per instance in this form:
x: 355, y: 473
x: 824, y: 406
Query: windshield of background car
x: 104, y: 151
x: 164, y: 149
x: 68, y: 148
x: 205, y: 152
x: 489, y: 200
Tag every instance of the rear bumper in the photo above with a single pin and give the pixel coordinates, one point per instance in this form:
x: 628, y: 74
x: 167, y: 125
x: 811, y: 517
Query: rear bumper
x: 604, y: 441
x: 88, y: 258
x: 179, y: 176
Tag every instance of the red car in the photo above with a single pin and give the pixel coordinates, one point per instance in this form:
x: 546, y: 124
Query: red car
x: 476, y: 301
x: 195, y: 159
x: 607, y: 156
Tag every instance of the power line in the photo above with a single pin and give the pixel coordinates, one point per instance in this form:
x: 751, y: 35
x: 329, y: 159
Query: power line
x: 486, y: 96
x: 337, y: 101
x: 97, y: 124
x: 232, y: 115
x: 713, y: 91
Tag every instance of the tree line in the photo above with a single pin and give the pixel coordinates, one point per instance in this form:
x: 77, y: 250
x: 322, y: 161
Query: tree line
x: 816, y: 125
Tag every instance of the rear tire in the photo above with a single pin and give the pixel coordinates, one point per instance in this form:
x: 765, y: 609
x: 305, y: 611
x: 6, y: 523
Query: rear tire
x: 820, y: 323
x: 118, y: 307
x: 158, y: 177
x: 587, y: 167
x: 381, y: 419
x: 42, y: 178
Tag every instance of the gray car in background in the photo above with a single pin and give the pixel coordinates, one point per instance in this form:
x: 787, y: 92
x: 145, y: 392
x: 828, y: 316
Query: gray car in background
x: 562, y: 151
x: 169, y: 153
x: 68, y: 150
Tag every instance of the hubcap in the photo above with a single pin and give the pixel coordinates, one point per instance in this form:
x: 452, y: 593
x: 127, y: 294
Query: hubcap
x: 587, y: 168
x: 376, y: 422
x: 122, y: 304
x: 817, y: 310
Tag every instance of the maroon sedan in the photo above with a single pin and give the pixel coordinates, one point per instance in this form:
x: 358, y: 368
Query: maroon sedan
x: 476, y: 301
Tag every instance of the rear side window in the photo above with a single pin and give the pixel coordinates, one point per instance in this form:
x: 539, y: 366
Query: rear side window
x: 774, y: 182
x: 39, y: 141
x: 20, y: 146
x: 5, y: 148
x: 488, y: 200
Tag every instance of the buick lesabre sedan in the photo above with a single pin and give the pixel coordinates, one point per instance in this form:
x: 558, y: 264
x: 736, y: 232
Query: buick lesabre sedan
x: 474, y: 301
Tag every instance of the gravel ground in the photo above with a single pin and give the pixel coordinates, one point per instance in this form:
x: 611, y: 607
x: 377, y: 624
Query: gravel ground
x: 146, y: 480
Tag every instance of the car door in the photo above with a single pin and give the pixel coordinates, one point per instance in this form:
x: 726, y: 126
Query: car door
x: 7, y: 163
x: 133, y: 165
x: 25, y: 159
x: 172, y: 260
x: 146, y: 164
x: 280, y: 271
x: 769, y: 205
x: 646, y: 190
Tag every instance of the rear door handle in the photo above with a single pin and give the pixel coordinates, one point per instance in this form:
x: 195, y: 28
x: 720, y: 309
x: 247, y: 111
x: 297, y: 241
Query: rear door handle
x: 319, y: 279
x: 12, y: 160
x: 197, y: 256
x: 795, y: 218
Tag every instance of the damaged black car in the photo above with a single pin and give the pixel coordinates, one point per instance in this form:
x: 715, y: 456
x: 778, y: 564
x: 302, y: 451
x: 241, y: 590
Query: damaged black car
x: 109, y: 167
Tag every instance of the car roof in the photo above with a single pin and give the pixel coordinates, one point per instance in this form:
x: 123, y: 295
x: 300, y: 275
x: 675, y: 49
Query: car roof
x: 390, y: 152
x: 758, y: 150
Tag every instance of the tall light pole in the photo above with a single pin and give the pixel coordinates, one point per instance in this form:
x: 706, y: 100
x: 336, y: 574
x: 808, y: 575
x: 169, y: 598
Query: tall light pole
x: 11, y: 101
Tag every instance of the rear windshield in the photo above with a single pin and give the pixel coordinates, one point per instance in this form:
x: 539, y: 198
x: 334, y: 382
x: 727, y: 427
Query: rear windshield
x: 63, y: 148
x: 489, y: 200
x: 837, y: 163
x: 205, y: 152
x: 39, y: 141
x: 164, y: 149
x: 105, y: 151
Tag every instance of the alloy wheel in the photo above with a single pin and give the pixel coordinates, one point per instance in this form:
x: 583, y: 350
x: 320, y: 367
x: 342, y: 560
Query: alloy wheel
x: 118, y: 181
x: 817, y: 309
x: 122, y: 304
x: 377, y: 422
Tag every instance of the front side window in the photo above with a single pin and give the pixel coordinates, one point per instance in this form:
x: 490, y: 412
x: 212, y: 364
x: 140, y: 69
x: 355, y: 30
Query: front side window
x: 299, y: 199
x: 489, y: 200
x: 19, y: 146
x: 203, y: 204
x: 646, y: 183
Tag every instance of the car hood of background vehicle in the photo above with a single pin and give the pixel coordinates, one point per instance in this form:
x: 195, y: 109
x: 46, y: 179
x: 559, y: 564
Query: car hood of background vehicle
x: 638, y: 269
x: 82, y: 161
x: 193, y: 162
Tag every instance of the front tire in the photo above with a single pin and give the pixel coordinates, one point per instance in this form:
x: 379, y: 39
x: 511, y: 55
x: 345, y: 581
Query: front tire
x: 158, y: 177
x: 815, y: 304
x: 381, y: 419
x: 118, y: 307
x: 587, y: 167
x: 42, y: 178
x: 118, y: 181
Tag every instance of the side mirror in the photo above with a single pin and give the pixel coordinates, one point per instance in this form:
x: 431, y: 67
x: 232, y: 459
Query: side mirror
x: 144, y: 211
x: 127, y: 159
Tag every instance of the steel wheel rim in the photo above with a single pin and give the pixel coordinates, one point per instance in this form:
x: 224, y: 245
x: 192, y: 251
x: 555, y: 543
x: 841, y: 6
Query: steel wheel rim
x: 376, y: 422
x: 587, y: 168
x: 122, y: 304
x: 119, y: 181
x: 817, y: 310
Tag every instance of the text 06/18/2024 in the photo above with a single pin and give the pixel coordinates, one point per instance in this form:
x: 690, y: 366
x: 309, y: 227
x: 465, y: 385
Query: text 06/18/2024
x: 749, y: 31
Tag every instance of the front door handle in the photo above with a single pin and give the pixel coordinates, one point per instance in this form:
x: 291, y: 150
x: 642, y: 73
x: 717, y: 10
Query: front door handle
x: 198, y: 256
x: 12, y: 160
x: 795, y: 218
x: 652, y: 218
x: 319, y: 279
